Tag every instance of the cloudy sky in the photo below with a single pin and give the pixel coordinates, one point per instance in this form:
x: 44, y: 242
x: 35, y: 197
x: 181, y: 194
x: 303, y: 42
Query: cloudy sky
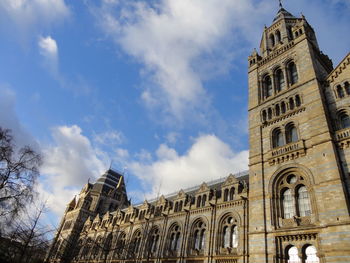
x: 158, y: 87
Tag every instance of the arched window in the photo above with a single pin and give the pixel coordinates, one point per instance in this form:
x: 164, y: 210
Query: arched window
x: 180, y: 206
x: 293, y: 73
x: 267, y: 83
x: 283, y: 107
x: 176, y: 207
x: 277, y: 138
x: 297, y: 101
x: 120, y: 246
x: 344, y: 120
x: 272, y: 40
x: 277, y: 110
x: 291, y: 104
x: 229, y: 233
x: 303, y: 202
x: 226, y: 195
x: 269, y: 113
x: 152, y: 245
x: 278, y: 36
x: 290, y: 33
x: 264, y: 115
x: 199, y: 231
x: 293, y: 256
x: 199, y: 201
x: 291, y: 133
x: 347, y: 88
x: 280, y: 83
x: 288, y: 204
x: 340, y: 91
x: 311, y: 255
x: 204, y: 199
x: 135, y: 244
x: 174, y: 239
x: 232, y: 193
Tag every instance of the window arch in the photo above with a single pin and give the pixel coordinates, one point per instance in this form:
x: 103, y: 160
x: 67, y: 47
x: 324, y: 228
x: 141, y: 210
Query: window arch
x: 198, y: 236
x: 174, y: 239
x: 288, y: 204
x: 291, y: 133
x: 135, y: 244
x: 290, y: 33
x: 176, y: 207
x: 297, y: 101
x: 283, y: 107
x: 264, y: 115
x: 120, y: 246
x: 272, y: 40
x: 269, y: 113
x: 277, y: 138
x: 204, y: 200
x: 232, y: 193
x: 293, y: 73
x: 340, y: 92
x: 291, y: 104
x: 344, y: 120
x: 278, y: 36
x: 303, y: 199
x: 152, y: 243
x: 180, y: 206
x: 199, y: 201
x: 347, y: 88
x: 226, y: 192
x: 267, y: 85
x: 280, y: 83
x: 228, y: 233
x: 277, y: 110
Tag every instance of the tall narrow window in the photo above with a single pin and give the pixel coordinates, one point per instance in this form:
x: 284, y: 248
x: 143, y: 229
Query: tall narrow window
x: 176, y: 207
x: 199, y: 235
x: 280, y: 83
x: 277, y: 110
x: 340, y: 91
x: 283, y: 107
x: 347, y: 88
x: 234, y: 236
x: 269, y: 114
x: 232, y: 193
x: 174, y: 242
x: 291, y: 104
x: 196, y: 239
x: 268, y: 87
x: 277, y: 138
x: 344, y: 120
x: 278, y: 36
x: 225, y: 195
x: 180, y: 206
x: 304, y: 202
x: 290, y: 33
x: 226, y: 236
x: 293, y: 73
x: 297, y: 101
x: 204, y: 200
x: 272, y: 40
x: 202, y: 239
x: 291, y: 133
x: 264, y: 116
x: 288, y: 204
x: 199, y: 201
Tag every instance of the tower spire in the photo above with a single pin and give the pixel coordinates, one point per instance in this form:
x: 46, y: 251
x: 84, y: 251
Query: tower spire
x: 280, y: 3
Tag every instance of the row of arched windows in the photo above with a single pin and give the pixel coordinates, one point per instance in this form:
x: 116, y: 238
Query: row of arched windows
x: 229, y: 194
x: 201, y: 200
x: 271, y: 85
x: 342, y: 90
x: 275, y: 38
x: 284, y: 136
x: 281, y: 108
x: 228, y: 238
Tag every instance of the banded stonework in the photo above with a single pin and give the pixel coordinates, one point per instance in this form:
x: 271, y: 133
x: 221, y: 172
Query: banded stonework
x: 291, y: 207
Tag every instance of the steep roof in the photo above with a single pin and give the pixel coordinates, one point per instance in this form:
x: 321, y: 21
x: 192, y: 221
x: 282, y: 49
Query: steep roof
x: 283, y: 13
x: 108, y: 181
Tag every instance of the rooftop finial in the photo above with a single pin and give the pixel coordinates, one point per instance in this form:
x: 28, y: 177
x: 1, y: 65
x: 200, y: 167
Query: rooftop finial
x: 280, y: 1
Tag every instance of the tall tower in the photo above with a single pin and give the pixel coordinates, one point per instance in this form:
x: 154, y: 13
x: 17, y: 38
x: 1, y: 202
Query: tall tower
x: 106, y: 195
x: 298, y: 205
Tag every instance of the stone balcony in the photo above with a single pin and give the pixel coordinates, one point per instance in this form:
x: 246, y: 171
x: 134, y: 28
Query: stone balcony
x: 286, y: 152
x: 343, y: 138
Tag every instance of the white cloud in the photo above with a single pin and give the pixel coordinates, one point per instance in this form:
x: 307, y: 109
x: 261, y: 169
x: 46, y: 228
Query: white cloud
x: 48, y: 47
x: 208, y: 158
x: 68, y: 164
x: 111, y: 137
x: 170, y: 39
x: 29, y: 15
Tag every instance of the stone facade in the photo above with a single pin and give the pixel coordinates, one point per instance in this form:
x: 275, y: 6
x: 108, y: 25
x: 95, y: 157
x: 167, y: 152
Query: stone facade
x: 293, y: 204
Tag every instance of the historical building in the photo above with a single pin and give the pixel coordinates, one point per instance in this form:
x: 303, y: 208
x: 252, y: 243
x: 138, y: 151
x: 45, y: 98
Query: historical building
x: 293, y: 204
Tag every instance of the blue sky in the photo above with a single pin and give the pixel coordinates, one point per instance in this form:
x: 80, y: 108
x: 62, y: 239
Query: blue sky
x: 157, y: 87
